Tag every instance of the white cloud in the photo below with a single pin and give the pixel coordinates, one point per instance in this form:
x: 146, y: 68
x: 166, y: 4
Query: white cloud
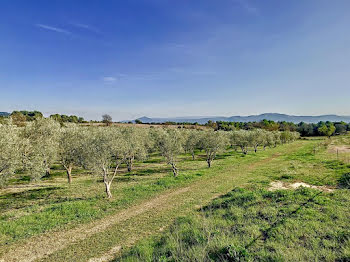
x: 55, y: 29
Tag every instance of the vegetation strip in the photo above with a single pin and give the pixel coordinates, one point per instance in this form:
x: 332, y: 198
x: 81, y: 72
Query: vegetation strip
x: 200, y: 193
x: 257, y: 225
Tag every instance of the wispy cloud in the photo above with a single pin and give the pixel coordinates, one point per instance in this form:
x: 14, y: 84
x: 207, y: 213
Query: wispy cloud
x: 55, y: 29
x: 109, y: 79
x: 86, y: 27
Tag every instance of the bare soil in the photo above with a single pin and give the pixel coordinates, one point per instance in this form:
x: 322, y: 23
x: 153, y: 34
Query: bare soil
x: 49, y: 243
x: 340, y: 149
x: 42, y: 246
x: 279, y: 185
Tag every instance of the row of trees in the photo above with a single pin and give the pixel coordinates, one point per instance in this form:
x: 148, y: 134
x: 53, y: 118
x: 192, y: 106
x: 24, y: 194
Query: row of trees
x: 21, y: 117
x: 305, y: 129
x: 67, y: 119
x: 33, y: 149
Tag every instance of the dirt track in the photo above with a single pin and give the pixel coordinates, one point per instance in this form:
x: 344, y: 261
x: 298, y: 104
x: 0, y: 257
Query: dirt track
x: 340, y: 149
x: 42, y: 246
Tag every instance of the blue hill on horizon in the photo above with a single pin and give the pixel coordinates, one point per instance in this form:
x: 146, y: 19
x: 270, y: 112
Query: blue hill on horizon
x: 251, y: 118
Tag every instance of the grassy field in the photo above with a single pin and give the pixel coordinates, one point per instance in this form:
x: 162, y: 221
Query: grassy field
x: 178, y: 219
x: 252, y: 223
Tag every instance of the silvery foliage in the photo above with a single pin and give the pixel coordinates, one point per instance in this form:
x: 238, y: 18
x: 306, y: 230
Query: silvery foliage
x: 71, y: 146
x: 169, y: 142
x: 213, y: 142
x: 39, y: 146
x: 9, y: 151
x: 134, y: 145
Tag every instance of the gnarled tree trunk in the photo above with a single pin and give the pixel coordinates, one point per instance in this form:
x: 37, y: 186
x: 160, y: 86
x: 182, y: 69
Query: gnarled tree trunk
x: 209, y: 162
x: 175, y: 170
x: 108, y: 181
x: 69, y: 173
x: 108, y: 188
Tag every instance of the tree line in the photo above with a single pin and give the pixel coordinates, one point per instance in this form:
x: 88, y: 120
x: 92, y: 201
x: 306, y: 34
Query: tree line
x: 305, y: 129
x: 32, y: 149
x: 21, y: 117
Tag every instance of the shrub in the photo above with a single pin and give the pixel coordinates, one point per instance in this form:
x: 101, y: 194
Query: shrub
x: 344, y: 180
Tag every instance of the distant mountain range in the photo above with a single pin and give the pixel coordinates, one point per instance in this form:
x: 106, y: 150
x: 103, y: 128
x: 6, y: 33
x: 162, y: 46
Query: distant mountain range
x: 4, y: 114
x: 252, y: 118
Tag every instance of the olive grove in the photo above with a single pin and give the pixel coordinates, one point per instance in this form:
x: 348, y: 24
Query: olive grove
x: 32, y: 149
x: 10, y: 155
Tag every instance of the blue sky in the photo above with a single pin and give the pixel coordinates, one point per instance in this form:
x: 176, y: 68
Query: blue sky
x: 175, y: 57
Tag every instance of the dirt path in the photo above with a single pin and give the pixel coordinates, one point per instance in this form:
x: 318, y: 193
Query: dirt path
x: 48, y: 243
x: 110, y: 254
x: 42, y: 246
x: 339, y: 149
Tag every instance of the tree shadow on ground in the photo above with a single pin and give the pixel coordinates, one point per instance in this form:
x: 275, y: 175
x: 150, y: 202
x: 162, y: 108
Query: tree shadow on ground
x: 147, y: 172
x: 265, y: 234
x: 244, y: 198
x: 10, y: 200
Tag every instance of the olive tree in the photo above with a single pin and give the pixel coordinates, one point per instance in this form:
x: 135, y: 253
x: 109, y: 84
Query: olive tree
x: 39, y: 146
x: 240, y: 138
x: 134, y: 145
x: 256, y: 138
x: 212, y: 143
x: 269, y: 139
x: 151, y: 135
x: 99, y: 154
x: 169, y: 143
x: 70, y: 150
x: 287, y: 136
x: 295, y: 136
x: 276, y: 138
x: 192, y: 140
x: 9, y: 153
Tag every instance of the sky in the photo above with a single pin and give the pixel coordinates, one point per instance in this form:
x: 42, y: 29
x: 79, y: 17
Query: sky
x: 172, y: 58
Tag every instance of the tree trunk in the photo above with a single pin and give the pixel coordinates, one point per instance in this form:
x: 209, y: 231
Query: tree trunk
x: 48, y: 171
x: 130, y: 162
x: 209, y: 162
x: 69, y: 174
x: 244, y: 151
x: 192, y: 155
x: 255, y: 149
x: 107, y: 183
x: 174, y: 169
x: 108, y: 189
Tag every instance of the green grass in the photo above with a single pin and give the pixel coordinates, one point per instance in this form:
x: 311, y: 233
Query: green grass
x: 35, y: 211
x: 221, y: 178
x: 258, y: 225
x: 253, y: 224
x: 53, y: 205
